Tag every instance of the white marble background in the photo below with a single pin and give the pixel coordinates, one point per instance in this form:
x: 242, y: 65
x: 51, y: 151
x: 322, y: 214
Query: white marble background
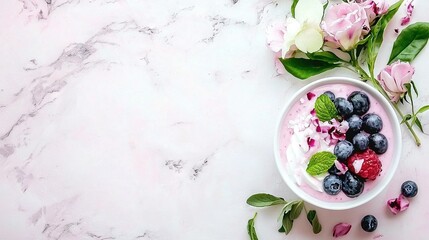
x: 139, y: 119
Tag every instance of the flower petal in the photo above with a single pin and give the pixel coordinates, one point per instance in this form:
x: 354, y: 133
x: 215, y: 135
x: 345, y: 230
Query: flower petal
x: 292, y: 29
x: 341, y: 229
x: 309, y: 40
x: 398, y: 204
x: 310, y: 11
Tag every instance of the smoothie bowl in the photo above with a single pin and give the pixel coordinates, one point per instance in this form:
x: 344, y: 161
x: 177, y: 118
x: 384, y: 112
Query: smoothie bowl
x: 338, y: 143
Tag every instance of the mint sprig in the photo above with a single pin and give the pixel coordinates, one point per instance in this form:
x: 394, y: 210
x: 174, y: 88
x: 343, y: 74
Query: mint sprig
x: 325, y: 108
x: 290, y: 211
x: 320, y: 163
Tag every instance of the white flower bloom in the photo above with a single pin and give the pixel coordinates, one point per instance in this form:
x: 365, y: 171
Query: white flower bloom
x: 304, y: 30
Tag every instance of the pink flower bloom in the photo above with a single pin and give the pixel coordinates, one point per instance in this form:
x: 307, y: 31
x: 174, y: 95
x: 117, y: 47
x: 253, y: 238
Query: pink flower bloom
x: 345, y: 24
x: 410, y: 8
x: 275, y: 40
x: 399, y: 204
x: 341, y: 229
x: 394, y: 77
x: 374, y: 8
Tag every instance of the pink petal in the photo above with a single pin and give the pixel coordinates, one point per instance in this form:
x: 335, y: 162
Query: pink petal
x: 341, y: 166
x: 313, y: 112
x: 410, y: 8
x: 310, y: 95
x: 341, y: 229
x: 311, y: 142
x: 399, y: 204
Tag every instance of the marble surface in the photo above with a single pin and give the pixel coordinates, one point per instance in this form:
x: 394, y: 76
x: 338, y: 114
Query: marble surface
x: 139, y: 119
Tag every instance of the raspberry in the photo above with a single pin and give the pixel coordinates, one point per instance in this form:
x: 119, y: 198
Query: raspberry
x: 365, y: 164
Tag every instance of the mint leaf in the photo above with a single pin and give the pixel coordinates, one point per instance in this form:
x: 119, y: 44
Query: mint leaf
x: 410, y: 42
x: 251, y: 228
x: 320, y: 163
x: 286, y: 209
x: 314, y: 221
x: 264, y: 200
x: 287, y: 224
x: 325, y: 108
x: 296, y: 210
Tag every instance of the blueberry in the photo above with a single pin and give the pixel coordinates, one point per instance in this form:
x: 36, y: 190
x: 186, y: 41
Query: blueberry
x: 344, y: 107
x: 360, y: 102
x: 334, y: 170
x: 372, y: 123
x: 332, y: 184
x: 360, y: 142
x: 330, y: 94
x: 355, y: 124
x: 352, y: 186
x: 369, y: 223
x: 409, y: 189
x: 343, y: 150
x: 378, y: 142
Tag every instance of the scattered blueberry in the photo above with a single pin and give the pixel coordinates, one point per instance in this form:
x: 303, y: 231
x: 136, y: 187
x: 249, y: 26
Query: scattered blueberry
x: 334, y: 170
x: 355, y: 124
x: 344, y: 107
x: 343, y: 150
x: 360, y: 102
x: 409, y: 189
x: 332, y: 184
x: 372, y: 123
x: 369, y: 223
x: 330, y: 94
x: 360, y: 142
x: 378, y: 143
x: 352, y: 186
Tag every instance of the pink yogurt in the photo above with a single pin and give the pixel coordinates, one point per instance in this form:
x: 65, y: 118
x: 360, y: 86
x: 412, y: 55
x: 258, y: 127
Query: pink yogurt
x: 304, y: 106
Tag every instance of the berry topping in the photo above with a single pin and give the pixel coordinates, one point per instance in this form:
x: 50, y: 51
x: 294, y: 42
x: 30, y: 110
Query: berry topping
x: 369, y: 223
x: 360, y: 142
x: 378, y: 143
x: 344, y: 107
x: 360, y: 102
x: 343, y: 150
x: 409, y: 189
x: 330, y: 94
x: 355, y: 124
x: 332, y: 184
x: 352, y: 186
x: 365, y: 164
x: 372, y: 123
x: 334, y: 170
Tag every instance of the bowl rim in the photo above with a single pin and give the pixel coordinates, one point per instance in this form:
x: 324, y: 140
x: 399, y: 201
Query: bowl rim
x: 378, y: 188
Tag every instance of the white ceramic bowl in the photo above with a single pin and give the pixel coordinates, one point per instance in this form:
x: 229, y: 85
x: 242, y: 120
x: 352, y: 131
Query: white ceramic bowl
x: 387, y: 172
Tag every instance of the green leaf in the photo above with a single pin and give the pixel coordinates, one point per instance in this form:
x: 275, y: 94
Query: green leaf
x: 287, y: 224
x: 314, y: 221
x: 286, y: 209
x: 376, y: 36
x: 325, y: 108
x: 419, y: 124
x: 320, y: 163
x: 282, y: 229
x: 410, y: 42
x: 264, y: 200
x: 406, y: 118
x: 324, y: 56
x: 296, y: 210
x: 415, y: 88
x: 292, y: 8
x: 304, y: 68
x: 251, y: 228
x: 423, y: 109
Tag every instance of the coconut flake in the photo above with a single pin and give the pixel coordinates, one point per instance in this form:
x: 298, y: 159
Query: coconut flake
x: 357, y: 165
x: 398, y: 204
x: 341, y: 229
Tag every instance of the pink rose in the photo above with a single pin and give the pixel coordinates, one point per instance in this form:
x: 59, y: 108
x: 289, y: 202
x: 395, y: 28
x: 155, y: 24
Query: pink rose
x: 345, y: 24
x: 394, y: 77
x: 374, y: 8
